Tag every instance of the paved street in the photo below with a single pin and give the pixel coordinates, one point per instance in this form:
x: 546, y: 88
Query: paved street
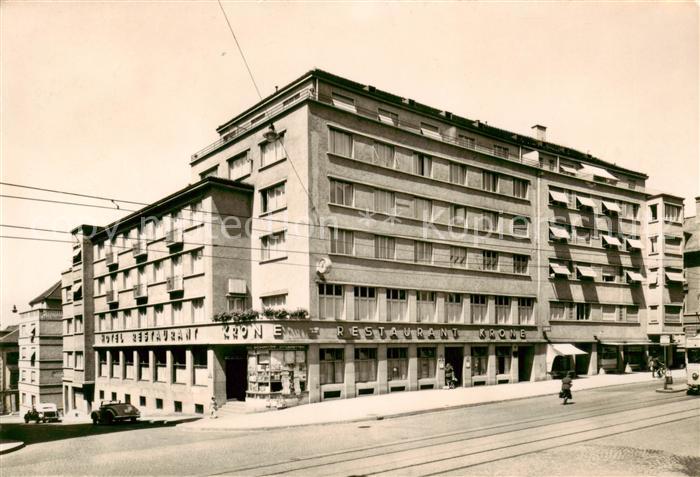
x: 621, y: 430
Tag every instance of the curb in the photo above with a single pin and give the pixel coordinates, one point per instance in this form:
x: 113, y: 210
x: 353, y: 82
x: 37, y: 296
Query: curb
x: 14, y: 446
x: 379, y: 417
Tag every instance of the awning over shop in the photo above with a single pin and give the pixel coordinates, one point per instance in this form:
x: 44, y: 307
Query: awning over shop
x: 596, y: 172
x: 611, y: 241
x: 675, y: 277
x: 611, y: 206
x: 585, y: 272
x: 558, y: 197
x: 560, y: 349
x: 633, y: 276
x: 634, y: 243
x: 558, y: 269
x: 586, y: 202
x: 559, y: 232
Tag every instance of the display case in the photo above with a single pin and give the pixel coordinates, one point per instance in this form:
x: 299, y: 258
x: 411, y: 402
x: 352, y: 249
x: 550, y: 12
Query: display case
x: 276, y: 373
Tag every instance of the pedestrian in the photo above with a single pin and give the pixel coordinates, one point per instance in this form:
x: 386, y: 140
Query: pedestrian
x: 650, y: 365
x: 212, y: 408
x: 566, y: 384
x: 655, y: 366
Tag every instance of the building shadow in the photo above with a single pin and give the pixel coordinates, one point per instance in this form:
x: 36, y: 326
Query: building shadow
x: 38, y: 433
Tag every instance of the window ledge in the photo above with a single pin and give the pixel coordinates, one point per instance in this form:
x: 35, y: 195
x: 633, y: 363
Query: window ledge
x: 270, y: 165
x: 244, y: 176
x: 270, y: 212
x: 272, y: 260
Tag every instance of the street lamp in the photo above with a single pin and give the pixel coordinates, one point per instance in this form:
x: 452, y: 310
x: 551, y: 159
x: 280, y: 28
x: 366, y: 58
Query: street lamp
x: 271, y: 135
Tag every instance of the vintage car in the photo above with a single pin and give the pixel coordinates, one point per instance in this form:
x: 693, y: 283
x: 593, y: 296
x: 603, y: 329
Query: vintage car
x: 114, y: 411
x: 43, y: 412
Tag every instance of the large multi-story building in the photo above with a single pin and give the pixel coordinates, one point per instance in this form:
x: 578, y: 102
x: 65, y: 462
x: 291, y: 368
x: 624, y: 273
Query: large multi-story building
x: 9, y: 370
x: 377, y: 240
x: 40, y: 343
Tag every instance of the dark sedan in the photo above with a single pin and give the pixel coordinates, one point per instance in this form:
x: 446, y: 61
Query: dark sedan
x: 114, y: 411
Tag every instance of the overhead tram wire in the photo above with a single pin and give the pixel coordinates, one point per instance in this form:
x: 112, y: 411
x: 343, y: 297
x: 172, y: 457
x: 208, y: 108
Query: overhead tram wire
x: 287, y: 222
x: 272, y: 127
x: 439, y: 263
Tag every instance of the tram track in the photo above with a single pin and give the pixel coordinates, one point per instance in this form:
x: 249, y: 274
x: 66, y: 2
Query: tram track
x: 350, y: 461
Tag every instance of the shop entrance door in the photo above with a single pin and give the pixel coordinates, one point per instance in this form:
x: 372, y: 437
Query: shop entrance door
x: 455, y: 355
x: 526, y: 356
x: 236, y: 375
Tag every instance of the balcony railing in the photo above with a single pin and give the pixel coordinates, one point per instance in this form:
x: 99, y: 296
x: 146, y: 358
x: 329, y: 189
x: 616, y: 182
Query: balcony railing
x: 245, y: 127
x: 112, y: 296
x: 174, y: 284
x: 140, y: 290
x: 173, y: 237
x: 111, y: 258
x: 140, y: 249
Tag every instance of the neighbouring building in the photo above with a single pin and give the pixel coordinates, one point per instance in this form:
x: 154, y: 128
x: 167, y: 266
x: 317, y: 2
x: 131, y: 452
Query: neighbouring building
x: 691, y: 268
x: 377, y: 240
x: 40, y: 344
x: 9, y: 370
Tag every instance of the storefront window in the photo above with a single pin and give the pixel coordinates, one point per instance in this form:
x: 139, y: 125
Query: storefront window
x: 365, y: 365
x: 503, y: 357
x: 426, y: 363
x: 480, y: 355
x: 281, y: 370
x: 397, y: 363
x: 144, y: 365
x: 199, y: 361
x: 102, y: 358
x: 332, y: 366
x: 159, y: 355
x: 179, y: 366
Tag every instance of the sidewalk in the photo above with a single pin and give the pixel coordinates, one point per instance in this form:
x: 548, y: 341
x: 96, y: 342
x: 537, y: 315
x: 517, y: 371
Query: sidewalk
x: 406, y: 403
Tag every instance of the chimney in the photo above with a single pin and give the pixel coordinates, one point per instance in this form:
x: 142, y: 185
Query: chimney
x: 540, y: 132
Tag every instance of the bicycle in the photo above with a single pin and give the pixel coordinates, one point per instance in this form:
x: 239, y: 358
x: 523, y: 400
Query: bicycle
x: 660, y: 370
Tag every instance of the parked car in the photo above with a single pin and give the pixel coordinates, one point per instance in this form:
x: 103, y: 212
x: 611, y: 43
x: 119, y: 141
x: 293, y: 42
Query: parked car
x: 43, y: 412
x: 114, y: 411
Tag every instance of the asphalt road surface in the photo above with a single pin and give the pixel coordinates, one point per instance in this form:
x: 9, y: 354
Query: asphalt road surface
x: 622, y: 430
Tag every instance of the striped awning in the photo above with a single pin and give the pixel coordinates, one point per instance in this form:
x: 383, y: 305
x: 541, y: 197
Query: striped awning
x: 611, y: 240
x: 611, y: 206
x: 587, y: 169
x: 634, y: 243
x: 558, y: 197
x: 675, y: 277
x: 585, y: 272
x: 633, y: 276
x: 558, y: 269
x: 559, y: 232
x: 586, y: 202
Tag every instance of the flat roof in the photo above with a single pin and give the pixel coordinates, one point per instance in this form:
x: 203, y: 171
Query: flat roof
x: 476, y: 126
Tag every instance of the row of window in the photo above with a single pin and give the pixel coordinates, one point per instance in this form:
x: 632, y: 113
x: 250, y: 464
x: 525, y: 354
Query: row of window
x: 594, y: 272
x: 73, y: 360
x: 385, y: 155
x: 241, y: 164
x: 151, y: 228
x: 426, y: 129
x: 672, y: 213
x: 73, y: 325
x: 590, y: 204
x: 596, y: 312
x: 332, y: 363
x: 387, y: 202
x: 582, y: 235
x: 175, y: 313
x: 458, y: 307
x: 121, y: 364
x: 343, y: 242
x: 152, y: 273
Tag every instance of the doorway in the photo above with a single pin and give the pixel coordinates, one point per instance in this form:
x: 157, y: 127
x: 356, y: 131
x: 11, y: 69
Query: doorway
x: 454, y: 355
x: 236, y: 374
x: 526, y: 357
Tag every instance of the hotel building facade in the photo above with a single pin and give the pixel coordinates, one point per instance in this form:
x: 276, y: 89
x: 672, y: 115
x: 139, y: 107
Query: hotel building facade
x: 379, y: 240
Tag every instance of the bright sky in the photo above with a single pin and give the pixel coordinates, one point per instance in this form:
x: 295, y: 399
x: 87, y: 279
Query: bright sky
x: 112, y: 98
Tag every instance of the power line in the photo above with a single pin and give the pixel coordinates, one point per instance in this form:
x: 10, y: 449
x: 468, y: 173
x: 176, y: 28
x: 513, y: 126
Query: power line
x: 55, y: 191
x: 240, y: 50
x: 287, y: 222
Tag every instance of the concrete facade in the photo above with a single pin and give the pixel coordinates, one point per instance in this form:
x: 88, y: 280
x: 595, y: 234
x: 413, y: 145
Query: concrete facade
x: 409, y: 237
x: 9, y: 370
x: 691, y: 267
x: 40, y: 344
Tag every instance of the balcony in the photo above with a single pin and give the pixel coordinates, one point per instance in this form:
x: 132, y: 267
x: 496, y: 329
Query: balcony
x: 111, y: 259
x: 112, y: 296
x: 140, y: 291
x: 174, y: 284
x: 139, y: 249
x: 173, y: 237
